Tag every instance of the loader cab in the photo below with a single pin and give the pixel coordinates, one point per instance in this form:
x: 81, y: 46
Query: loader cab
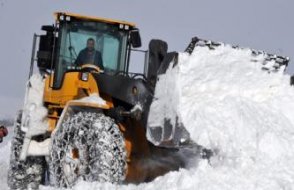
x: 113, y: 39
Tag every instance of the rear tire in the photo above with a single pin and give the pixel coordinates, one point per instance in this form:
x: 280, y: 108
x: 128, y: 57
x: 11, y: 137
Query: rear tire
x: 87, y: 146
x: 23, y: 174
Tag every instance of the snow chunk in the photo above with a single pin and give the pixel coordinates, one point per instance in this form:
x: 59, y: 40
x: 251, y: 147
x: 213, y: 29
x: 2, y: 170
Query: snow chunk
x: 34, y: 113
x: 93, y: 98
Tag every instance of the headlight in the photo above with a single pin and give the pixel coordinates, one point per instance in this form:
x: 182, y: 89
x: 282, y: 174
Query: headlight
x: 84, y: 76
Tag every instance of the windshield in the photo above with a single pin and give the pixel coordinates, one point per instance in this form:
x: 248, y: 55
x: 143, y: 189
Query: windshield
x: 90, y: 43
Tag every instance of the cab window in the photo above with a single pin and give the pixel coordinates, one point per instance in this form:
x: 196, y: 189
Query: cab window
x: 110, y: 42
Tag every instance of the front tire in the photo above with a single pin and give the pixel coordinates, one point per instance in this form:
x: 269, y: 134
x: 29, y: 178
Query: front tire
x: 87, y: 146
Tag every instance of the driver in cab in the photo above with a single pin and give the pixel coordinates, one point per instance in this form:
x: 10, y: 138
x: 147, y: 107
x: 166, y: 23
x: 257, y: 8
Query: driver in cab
x: 90, y: 55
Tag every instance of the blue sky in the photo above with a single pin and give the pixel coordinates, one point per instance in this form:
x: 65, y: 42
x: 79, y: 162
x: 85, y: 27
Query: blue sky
x: 259, y: 24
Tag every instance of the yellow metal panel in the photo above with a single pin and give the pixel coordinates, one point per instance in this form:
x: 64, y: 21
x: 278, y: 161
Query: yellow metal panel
x: 71, y: 89
x: 52, y: 123
x: 99, y: 19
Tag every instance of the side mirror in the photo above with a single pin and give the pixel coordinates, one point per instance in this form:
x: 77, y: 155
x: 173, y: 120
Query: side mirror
x: 48, y: 28
x: 135, y: 38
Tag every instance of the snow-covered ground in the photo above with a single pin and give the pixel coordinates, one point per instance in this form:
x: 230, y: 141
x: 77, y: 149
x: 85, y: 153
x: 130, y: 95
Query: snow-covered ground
x: 227, y: 103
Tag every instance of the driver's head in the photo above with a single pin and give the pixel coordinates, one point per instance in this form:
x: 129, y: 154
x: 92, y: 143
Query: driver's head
x: 90, y: 44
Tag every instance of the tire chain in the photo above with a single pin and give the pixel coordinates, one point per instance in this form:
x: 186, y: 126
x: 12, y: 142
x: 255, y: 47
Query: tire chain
x: 23, y: 174
x: 102, y: 153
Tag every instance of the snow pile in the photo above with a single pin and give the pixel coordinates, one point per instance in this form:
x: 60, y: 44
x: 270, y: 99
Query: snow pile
x: 228, y: 103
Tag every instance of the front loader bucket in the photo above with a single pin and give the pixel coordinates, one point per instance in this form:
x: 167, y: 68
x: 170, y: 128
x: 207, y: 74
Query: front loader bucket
x: 165, y: 125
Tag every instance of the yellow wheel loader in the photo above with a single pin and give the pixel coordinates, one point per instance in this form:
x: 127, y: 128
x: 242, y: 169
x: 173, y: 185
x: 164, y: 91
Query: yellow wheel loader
x: 84, y: 120
x: 85, y: 115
